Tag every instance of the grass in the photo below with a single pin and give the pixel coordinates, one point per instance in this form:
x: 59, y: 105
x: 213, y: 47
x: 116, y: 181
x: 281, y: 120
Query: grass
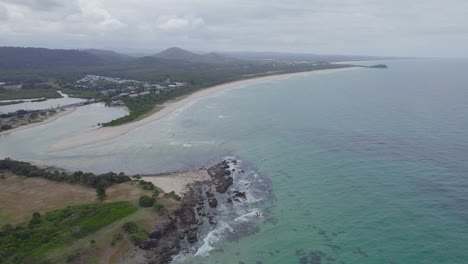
x: 56, y: 229
x: 17, y: 94
x: 65, y: 235
x: 20, y: 197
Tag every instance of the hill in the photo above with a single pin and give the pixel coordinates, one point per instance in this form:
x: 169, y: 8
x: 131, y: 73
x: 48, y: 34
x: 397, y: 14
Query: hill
x: 107, y: 54
x: 179, y: 54
x: 15, y: 58
x: 308, y: 57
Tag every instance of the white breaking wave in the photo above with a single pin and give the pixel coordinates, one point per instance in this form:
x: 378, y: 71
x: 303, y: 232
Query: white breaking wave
x: 248, y: 216
x: 212, y: 237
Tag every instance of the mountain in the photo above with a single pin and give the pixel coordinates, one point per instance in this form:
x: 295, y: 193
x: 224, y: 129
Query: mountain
x: 309, y: 57
x: 107, y: 53
x: 179, y: 54
x: 176, y: 53
x: 15, y: 58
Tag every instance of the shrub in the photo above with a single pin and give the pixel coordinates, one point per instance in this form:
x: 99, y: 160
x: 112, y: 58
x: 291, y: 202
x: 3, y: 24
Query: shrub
x: 117, y: 237
x: 36, y: 219
x: 140, y: 236
x: 159, y: 207
x: 172, y: 195
x: 146, y: 201
x: 130, y: 227
x: 156, y: 193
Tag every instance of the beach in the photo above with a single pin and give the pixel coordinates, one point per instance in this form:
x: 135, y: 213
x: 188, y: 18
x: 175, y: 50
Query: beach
x: 106, y: 133
x: 56, y: 116
x: 177, y: 181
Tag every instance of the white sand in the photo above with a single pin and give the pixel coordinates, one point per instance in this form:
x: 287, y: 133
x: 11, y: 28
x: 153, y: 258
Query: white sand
x: 59, y: 114
x: 177, y: 181
x: 106, y: 133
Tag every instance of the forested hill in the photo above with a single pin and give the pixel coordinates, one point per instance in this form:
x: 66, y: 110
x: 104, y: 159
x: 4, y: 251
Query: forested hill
x: 14, y: 58
x: 179, y: 54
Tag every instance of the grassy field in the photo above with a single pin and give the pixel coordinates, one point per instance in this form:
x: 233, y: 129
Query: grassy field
x: 73, y: 227
x: 20, y: 197
x: 16, y: 94
x: 44, y: 233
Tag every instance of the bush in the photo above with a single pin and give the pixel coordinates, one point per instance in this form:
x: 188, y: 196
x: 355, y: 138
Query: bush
x: 146, y: 201
x: 130, y: 227
x: 117, y: 237
x: 140, y: 236
x: 156, y: 193
x: 36, y: 219
x: 159, y: 207
x: 148, y: 186
x: 172, y: 195
x: 6, y: 127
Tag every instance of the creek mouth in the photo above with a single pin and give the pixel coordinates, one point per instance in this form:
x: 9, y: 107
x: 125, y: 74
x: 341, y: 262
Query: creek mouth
x: 226, y: 207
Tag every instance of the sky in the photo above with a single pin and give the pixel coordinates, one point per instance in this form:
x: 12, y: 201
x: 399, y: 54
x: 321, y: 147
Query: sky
x: 424, y: 28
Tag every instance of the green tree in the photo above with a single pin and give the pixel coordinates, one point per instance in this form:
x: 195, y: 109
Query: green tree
x: 146, y: 201
x: 101, y: 194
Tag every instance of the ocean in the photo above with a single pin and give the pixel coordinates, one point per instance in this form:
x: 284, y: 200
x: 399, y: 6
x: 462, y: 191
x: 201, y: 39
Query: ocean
x: 364, y: 165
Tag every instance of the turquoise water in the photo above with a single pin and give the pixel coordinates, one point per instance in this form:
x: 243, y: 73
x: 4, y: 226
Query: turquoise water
x: 367, y: 165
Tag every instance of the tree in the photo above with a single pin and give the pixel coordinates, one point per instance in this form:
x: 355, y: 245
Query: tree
x: 101, y: 194
x: 146, y: 201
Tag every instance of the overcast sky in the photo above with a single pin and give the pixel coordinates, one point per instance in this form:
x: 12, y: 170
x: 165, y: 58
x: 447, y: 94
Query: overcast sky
x: 431, y: 28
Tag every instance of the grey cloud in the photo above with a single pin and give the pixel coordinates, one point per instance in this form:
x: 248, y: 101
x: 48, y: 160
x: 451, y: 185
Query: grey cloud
x: 3, y: 13
x: 386, y: 27
x: 37, y: 4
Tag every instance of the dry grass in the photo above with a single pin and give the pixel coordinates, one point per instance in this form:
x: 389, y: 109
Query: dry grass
x: 20, y: 197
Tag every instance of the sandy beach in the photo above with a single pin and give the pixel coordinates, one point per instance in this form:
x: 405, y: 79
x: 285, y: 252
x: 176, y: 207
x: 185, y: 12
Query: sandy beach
x: 177, y: 181
x: 59, y: 114
x: 107, y: 133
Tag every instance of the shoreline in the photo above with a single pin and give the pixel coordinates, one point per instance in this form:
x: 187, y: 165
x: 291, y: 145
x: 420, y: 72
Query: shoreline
x: 106, y: 133
x: 51, y: 119
x: 177, y: 181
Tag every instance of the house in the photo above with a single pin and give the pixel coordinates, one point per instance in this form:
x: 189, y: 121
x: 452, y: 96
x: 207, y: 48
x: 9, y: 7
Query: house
x: 123, y: 94
x: 144, y: 93
x: 133, y: 95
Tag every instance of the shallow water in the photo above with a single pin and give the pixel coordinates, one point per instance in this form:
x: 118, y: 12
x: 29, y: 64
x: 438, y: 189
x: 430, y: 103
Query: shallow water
x: 367, y: 165
x: 50, y: 103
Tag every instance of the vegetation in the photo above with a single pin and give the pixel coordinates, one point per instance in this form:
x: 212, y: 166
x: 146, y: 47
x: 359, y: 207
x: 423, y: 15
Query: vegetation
x: 11, y: 102
x: 10, y: 94
x: 31, y: 243
x: 172, y: 195
x: 159, y: 207
x: 146, y: 201
x: 101, y: 194
x: 78, y: 177
x: 200, y: 71
x: 146, y: 185
x: 136, y: 233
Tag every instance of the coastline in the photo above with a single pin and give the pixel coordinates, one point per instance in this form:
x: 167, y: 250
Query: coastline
x: 177, y: 181
x: 67, y: 111
x: 106, y: 133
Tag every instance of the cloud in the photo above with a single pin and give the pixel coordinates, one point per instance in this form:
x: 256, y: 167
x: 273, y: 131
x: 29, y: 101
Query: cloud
x: 178, y: 23
x: 386, y: 27
x: 91, y: 16
x: 3, y: 13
